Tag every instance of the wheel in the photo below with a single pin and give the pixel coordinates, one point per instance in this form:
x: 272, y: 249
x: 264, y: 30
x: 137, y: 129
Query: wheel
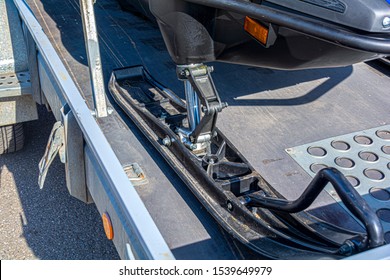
x: 11, y: 138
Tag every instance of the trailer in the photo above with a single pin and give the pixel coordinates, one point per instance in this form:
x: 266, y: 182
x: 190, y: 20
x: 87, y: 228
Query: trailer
x: 296, y: 167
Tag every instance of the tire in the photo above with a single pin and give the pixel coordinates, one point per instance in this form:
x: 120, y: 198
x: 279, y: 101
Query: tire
x: 11, y: 138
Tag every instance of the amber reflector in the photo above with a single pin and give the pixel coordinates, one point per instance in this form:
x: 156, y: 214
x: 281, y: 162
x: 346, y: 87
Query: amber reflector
x: 108, y: 226
x: 256, y: 30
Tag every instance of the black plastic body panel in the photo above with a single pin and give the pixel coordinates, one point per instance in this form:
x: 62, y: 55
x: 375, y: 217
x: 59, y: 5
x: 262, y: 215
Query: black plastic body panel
x: 187, y: 29
x: 197, y: 33
x: 345, y: 12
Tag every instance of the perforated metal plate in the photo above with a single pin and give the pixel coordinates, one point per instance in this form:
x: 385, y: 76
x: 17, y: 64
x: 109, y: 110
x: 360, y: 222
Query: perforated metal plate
x: 363, y: 157
x: 15, y: 84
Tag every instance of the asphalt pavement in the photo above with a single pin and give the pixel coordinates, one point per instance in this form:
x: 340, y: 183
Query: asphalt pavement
x: 47, y: 223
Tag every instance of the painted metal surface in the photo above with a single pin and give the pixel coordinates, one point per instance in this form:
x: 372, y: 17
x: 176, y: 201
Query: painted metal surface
x: 129, y: 207
x: 75, y: 160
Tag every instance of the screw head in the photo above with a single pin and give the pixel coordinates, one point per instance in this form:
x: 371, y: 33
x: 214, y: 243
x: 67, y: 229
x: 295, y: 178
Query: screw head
x: 210, y: 69
x: 110, y: 110
x: 185, y: 73
x: 230, y: 206
x: 193, y: 146
x: 167, y: 141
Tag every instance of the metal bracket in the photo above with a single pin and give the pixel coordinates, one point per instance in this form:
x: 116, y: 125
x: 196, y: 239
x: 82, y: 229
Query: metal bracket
x: 93, y: 54
x: 202, y: 82
x: 135, y: 174
x: 56, y: 144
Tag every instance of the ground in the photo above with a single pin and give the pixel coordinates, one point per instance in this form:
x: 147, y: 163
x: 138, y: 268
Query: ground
x: 47, y: 223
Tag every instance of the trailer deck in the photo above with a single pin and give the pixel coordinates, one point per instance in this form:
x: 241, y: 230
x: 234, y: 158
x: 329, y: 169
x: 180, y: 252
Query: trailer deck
x: 269, y: 112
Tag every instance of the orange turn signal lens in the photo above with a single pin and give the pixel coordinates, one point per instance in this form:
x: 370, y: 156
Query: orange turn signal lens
x: 257, y: 30
x: 107, y: 225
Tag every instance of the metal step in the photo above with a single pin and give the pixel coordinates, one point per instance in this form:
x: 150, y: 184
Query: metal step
x: 13, y: 55
x: 15, y: 84
x: 363, y: 157
x: 16, y: 101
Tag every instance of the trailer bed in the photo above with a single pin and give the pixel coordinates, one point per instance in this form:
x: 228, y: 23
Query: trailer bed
x: 269, y: 111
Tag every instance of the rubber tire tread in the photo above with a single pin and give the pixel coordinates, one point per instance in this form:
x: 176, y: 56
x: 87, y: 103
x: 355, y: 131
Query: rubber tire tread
x: 11, y: 138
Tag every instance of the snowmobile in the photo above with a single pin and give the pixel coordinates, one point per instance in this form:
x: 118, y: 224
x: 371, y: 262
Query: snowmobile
x: 276, y: 34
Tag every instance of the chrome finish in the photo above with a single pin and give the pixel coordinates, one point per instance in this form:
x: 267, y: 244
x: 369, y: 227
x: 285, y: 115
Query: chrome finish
x: 192, y: 104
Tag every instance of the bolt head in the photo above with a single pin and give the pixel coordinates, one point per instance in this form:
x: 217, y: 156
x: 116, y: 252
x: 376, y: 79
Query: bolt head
x: 185, y: 73
x: 194, y: 146
x: 167, y: 141
x: 110, y: 110
x: 230, y: 206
